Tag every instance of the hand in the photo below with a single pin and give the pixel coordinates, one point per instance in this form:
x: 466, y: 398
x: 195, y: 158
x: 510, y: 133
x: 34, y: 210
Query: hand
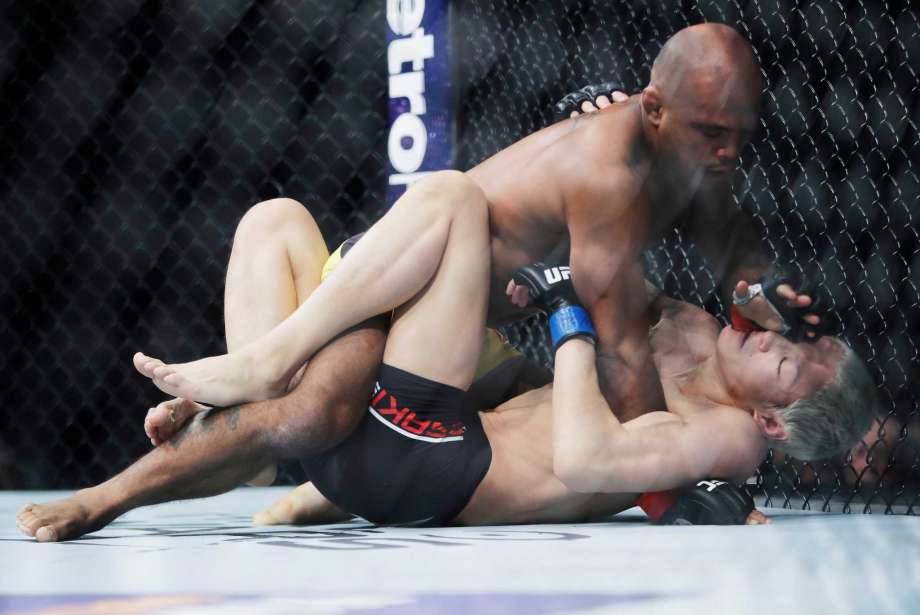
x: 518, y: 293
x: 757, y: 518
x: 590, y: 98
x: 711, y: 502
x: 550, y: 289
x: 602, y: 101
x: 758, y: 309
x: 168, y: 418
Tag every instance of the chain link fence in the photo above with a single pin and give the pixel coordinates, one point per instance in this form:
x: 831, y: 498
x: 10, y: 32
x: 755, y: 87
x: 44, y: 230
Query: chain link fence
x: 832, y: 177
x: 135, y: 136
x: 137, y: 133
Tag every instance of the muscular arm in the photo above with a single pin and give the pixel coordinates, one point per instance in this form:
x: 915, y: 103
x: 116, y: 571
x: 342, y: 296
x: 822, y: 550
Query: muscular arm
x: 729, y: 239
x: 607, y: 234
x: 594, y: 452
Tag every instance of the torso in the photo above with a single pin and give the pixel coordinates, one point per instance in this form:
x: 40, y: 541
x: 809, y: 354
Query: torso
x: 520, y: 486
x: 527, y: 198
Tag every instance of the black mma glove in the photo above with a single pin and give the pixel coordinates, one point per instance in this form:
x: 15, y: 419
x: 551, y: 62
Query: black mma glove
x: 572, y: 101
x: 709, y: 502
x: 551, y: 290
x: 794, y: 328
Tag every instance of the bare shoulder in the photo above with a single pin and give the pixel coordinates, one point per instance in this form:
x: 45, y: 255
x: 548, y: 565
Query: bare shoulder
x: 734, y: 434
x: 599, y: 150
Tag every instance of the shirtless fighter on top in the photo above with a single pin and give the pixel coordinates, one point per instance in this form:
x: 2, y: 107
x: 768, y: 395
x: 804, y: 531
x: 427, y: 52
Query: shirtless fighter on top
x: 607, y: 184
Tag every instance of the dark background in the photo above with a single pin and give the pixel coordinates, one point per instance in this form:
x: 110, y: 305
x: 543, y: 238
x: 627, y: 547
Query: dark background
x: 136, y: 134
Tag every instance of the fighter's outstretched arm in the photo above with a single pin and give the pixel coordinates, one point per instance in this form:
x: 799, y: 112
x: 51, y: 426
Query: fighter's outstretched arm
x: 607, y: 235
x: 594, y: 452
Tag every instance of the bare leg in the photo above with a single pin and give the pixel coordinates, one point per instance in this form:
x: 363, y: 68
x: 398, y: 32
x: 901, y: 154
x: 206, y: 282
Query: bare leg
x: 395, y: 260
x: 276, y: 262
x: 221, y: 449
x: 437, y: 335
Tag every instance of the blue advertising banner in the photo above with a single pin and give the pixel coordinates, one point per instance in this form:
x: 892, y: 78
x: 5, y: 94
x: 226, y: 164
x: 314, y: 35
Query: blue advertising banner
x: 420, y: 138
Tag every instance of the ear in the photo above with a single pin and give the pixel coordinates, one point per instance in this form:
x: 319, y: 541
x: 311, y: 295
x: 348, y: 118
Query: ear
x: 771, y: 425
x: 651, y: 104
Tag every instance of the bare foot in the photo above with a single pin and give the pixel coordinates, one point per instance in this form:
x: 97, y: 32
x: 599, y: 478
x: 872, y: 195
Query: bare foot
x: 222, y: 380
x: 302, y: 506
x: 164, y: 421
x: 72, y: 517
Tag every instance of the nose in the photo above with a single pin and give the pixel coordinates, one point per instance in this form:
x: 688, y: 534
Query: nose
x: 766, y: 341
x: 728, y: 152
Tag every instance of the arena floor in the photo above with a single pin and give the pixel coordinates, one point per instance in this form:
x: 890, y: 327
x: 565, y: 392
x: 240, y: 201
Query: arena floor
x: 204, y: 556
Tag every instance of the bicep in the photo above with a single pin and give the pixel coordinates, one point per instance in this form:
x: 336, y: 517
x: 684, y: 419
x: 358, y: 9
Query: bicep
x: 659, y: 451
x: 601, y: 232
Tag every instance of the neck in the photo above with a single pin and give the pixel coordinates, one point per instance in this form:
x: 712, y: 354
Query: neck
x: 706, y: 384
x: 671, y: 189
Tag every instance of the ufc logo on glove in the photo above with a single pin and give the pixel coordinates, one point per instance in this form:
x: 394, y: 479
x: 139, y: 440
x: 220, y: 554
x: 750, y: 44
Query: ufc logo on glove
x: 556, y: 274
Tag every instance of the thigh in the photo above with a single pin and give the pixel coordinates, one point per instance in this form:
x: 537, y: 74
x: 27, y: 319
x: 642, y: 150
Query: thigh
x: 438, y: 334
x: 333, y: 395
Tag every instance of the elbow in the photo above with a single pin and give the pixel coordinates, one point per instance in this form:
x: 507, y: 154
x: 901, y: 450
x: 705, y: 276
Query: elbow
x: 575, y: 473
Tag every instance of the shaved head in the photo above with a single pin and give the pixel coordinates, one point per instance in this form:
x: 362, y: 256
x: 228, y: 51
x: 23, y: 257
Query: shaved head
x: 709, y: 60
x: 703, y: 104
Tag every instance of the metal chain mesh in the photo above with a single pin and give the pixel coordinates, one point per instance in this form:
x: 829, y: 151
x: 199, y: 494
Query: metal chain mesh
x: 136, y: 134
x: 832, y: 178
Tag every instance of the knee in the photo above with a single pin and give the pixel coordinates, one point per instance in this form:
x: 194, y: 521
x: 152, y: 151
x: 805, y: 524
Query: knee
x: 314, y: 424
x: 449, y: 192
x: 267, y: 218
x: 332, y: 397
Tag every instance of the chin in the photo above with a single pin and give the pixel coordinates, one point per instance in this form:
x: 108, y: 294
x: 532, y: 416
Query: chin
x: 727, y: 342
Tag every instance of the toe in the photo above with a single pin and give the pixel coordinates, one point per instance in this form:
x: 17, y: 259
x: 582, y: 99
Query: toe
x: 162, y: 370
x: 266, y: 517
x: 141, y: 363
x: 46, y: 533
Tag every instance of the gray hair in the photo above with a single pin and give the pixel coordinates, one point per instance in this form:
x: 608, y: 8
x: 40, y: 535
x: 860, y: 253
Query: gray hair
x: 834, y: 417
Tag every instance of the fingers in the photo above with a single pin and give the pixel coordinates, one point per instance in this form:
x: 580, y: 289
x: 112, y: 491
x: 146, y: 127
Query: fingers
x: 602, y: 102
x: 588, y: 107
x: 150, y: 428
x: 520, y: 297
x: 619, y: 96
x: 757, y: 518
x: 795, y: 300
x: 742, y: 288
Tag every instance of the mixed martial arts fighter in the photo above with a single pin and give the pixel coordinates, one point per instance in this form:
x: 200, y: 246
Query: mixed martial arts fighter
x: 552, y: 454
x: 599, y: 188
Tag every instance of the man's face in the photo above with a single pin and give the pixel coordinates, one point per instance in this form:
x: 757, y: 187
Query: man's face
x: 706, y: 124
x: 763, y: 368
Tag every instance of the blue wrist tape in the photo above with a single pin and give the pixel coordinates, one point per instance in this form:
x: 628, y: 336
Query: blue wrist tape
x: 570, y: 321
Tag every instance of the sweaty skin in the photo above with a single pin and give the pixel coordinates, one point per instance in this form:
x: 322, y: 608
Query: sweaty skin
x: 604, y: 185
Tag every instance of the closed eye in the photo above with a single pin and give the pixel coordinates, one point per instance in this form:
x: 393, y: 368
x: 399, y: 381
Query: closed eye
x: 780, y: 366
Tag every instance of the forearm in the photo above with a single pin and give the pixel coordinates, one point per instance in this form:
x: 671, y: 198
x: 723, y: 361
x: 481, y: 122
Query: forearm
x: 584, y: 428
x: 732, y: 245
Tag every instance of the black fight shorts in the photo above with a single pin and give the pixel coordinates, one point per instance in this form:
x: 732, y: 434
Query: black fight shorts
x: 416, y: 457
